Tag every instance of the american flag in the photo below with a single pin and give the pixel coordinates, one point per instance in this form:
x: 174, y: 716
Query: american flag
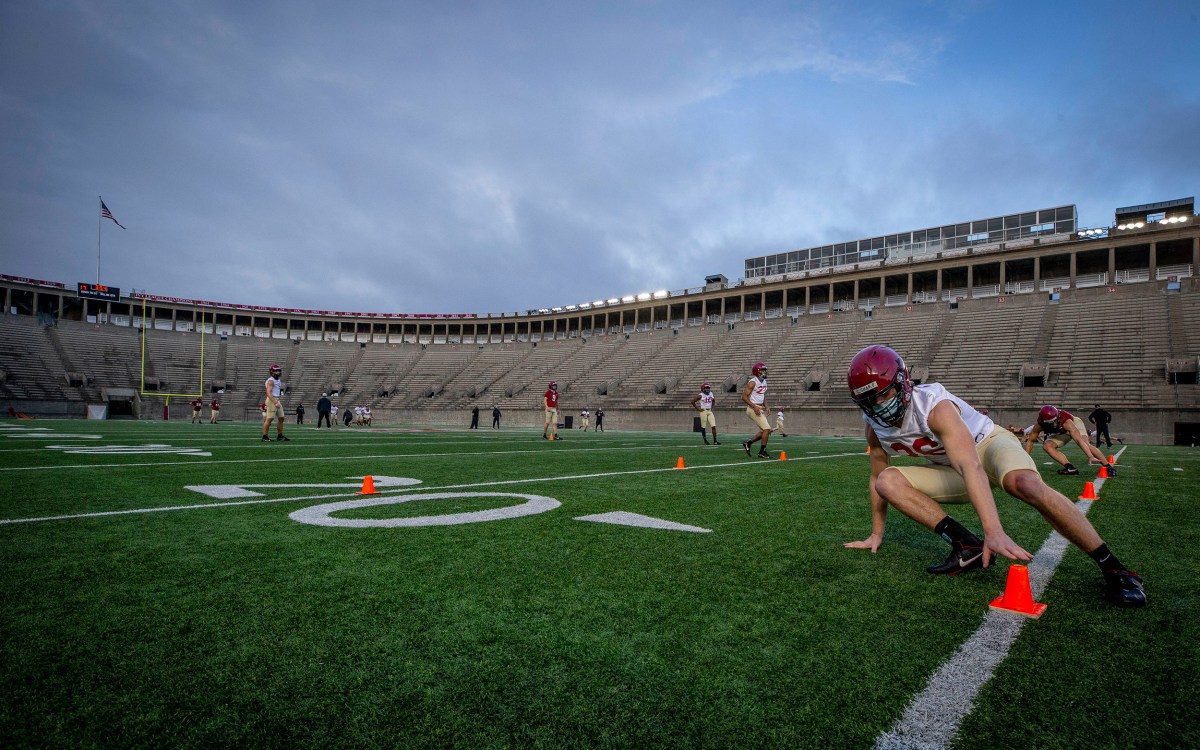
x: 104, y: 212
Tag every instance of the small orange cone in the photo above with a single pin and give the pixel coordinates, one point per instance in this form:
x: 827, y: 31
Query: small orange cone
x: 868, y: 449
x: 679, y: 463
x: 1103, y: 473
x: 1017, y: 596
x: 1112, y: 459
x: 1089, y: 492
x: 782, y: 455
x: 368, y: 487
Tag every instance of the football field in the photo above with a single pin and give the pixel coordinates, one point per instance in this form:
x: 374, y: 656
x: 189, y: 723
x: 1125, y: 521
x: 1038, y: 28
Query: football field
x: 179, y: 585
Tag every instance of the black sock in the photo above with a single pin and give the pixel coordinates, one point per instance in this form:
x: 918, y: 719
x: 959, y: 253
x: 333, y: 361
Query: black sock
x: 955, y: 533
x: 1105, y: 559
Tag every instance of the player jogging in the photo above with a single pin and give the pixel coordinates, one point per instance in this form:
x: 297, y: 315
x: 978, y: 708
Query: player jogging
x: 779, y: 423
x: 967, y: 455
x: 755, y: 398
x: 703, y: 403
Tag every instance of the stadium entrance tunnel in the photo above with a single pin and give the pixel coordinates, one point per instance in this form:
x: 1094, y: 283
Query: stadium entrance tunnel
x: 1187, y: 433
x: 122, y: 402
x: 1035, y: 375
x: 1182, y: 371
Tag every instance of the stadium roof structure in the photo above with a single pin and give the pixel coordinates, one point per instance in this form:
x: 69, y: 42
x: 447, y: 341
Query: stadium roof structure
x: 1027, y: 225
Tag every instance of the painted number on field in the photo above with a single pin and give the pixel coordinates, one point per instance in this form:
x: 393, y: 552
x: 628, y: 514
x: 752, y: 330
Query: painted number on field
x: 149, y: 449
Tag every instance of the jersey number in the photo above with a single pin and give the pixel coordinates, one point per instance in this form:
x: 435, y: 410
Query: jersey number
x: 922, y: 446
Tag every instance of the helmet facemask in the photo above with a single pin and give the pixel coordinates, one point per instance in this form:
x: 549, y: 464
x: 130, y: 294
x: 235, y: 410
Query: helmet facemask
x: 876, y: 372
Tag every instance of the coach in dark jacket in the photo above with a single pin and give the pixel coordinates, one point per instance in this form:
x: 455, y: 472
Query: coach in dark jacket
x: 1101, y: 418
x: 324, y: 406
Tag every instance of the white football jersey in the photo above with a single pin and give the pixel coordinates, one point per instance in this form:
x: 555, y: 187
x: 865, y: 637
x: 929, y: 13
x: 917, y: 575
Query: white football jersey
x: 914, y: 438
x: 706, y: 400
x: 759, y: 394
x: 275, y: 385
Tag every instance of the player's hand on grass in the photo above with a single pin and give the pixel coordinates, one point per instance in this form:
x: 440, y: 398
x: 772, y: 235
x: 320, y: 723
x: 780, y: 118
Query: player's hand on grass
x: 1002, y: 544
x: 872, y: 543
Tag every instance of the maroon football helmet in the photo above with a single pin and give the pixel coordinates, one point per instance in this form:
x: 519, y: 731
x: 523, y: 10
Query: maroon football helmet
x: 874, y: 371
x: 758, y: 370
x: 1050, y: 418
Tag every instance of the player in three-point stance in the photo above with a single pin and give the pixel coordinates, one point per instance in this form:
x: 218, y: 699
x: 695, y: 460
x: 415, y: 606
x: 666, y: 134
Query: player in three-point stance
x: 968, y: 455
x: 1061, y: 427
x: 272, y: 406
x: 703, y: 403
x: 755, y: 398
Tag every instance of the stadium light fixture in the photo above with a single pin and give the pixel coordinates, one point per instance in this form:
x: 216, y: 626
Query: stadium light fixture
x: 644, y: 296
x: 661, y: 294
x: 627, y: 298
x: 613, y: 301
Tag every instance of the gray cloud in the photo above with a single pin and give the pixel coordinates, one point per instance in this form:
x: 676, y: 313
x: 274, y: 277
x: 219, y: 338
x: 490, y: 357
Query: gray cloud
x: 471, y: 158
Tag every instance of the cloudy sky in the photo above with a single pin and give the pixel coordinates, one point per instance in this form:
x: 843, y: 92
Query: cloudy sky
x: 397, y: 156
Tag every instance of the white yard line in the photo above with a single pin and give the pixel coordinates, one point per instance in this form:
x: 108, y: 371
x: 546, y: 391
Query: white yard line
x: 396, y: 491
x: 932, y: 719
x: 456, y: 454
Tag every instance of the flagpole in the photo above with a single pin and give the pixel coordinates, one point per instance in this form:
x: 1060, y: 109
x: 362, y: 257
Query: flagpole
x: 98, y: 218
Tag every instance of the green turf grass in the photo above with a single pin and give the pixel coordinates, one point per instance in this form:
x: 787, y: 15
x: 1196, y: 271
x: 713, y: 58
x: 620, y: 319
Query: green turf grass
x: 237, y: 626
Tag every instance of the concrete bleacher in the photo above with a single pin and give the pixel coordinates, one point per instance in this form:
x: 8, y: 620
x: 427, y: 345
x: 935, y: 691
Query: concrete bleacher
x: 1097, y: 346
x: 32, y: 368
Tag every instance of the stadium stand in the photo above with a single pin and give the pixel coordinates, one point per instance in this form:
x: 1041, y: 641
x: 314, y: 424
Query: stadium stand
x: 1077, y: 336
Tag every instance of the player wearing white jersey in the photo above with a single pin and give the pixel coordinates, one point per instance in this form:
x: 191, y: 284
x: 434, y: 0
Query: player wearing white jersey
x: 703, y: 403
x: 968, y: 454
x: 779, y: 423
x: 755, y: 398
x: 272, y: 406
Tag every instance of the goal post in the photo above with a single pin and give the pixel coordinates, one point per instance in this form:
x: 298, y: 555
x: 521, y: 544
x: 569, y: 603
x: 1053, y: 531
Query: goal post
x: 166, y: 394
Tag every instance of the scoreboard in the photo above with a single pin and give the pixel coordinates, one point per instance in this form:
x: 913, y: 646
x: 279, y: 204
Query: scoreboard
x: 100, y: 292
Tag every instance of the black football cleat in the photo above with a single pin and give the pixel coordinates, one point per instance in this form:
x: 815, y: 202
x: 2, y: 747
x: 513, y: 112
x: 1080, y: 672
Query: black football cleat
x: 961, y: 559
x: 283, y: 438
x: 746, y: 446
x: 266, y: 439
x: 764, y: 454
x: 1068, y: 471
x: 716, y: 442
x: 1112, y: 470
x: 1124, y: 588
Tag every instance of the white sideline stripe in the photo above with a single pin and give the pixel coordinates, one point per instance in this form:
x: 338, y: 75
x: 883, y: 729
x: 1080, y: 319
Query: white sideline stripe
x: 931, y: 720
x: 457, y: 454
x: 396, y: 491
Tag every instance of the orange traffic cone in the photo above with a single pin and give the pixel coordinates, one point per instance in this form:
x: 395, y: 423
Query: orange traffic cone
x: 868, y: 449
x: 1017, y: 596
x: 1089, y: 492
x: 1103, y: 473
x: 782, y: 455
x: 1112, y: 459
x: 368, y: 487
x: 679, y: 463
